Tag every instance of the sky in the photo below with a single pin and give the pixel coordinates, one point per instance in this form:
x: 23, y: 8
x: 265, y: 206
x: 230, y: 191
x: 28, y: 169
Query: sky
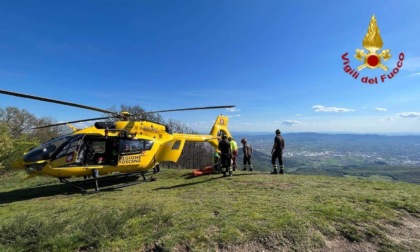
x: 280, y: 62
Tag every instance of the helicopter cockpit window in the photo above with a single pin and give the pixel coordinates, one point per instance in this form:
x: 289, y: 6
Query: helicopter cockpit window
x: 47, y: 149
x: 69, y: 147
x: 135, y: 146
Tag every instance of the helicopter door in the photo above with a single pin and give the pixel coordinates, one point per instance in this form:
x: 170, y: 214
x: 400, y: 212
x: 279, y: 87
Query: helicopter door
x: 170, y: 151
x: 135, y: 152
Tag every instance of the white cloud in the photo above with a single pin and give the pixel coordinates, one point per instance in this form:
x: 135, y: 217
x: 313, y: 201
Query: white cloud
x: 298, y: 114
x: 409, y: 114
x: 320, y: 108
x: 234, y: 109
x: 388, y: 119
x: 381, y: 109
x: 415, y: 74
x: 290, y: 122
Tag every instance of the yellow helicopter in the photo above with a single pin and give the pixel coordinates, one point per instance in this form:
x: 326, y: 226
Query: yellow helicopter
x: 111, y: 147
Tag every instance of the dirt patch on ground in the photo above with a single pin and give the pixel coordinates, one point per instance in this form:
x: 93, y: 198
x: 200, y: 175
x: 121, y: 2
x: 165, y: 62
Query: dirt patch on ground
x: 343, y: 245
x: 404, y: 234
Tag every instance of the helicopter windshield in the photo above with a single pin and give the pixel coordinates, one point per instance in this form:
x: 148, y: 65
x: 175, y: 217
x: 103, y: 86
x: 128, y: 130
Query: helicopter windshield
x: 45, y: 150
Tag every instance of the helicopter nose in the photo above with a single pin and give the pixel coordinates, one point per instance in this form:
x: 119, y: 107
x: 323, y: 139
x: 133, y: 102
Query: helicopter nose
x: 18, y: 164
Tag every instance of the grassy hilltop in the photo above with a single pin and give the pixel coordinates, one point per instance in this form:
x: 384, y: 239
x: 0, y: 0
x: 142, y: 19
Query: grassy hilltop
x: 247, y: 212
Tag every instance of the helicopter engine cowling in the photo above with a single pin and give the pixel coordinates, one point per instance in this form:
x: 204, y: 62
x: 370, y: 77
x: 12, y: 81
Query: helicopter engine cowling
x: 105, y: 125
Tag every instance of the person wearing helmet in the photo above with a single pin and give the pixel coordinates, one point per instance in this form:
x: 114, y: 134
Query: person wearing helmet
x: 234, y: 148
x: 277, y: 152
x: 247, y: 150
x: 225, y: 155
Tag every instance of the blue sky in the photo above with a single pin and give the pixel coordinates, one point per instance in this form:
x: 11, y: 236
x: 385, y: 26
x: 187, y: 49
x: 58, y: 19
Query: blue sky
x: 280, y: 62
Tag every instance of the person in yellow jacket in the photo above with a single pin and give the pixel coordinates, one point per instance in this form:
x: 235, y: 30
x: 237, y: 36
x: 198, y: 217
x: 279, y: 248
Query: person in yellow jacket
x: 234, y: 149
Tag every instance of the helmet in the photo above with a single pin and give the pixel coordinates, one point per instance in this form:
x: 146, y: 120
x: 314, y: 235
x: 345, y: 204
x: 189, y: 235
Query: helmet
x: 278, y: 131
x: 243, y: 140
x: 229, y: 138
x: 224, y: 136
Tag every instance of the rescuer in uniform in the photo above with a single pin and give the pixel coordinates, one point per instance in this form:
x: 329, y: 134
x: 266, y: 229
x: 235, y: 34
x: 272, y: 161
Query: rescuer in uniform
x: 234, y: 149
x: 247, y: 150
x: 277, y: 152
x: 225, y: 155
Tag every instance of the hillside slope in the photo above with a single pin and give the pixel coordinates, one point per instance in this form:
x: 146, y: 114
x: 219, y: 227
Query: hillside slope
x: 246, y: 212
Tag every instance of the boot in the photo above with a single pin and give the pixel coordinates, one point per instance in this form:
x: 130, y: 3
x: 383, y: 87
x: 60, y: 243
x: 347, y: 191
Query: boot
x: 250, y: 168
x: 274, y: 169
x: 244, y: 169
x: 281, y: 169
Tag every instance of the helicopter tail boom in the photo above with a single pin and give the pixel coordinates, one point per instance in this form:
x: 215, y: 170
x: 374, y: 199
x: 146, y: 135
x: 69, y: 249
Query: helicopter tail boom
x: 220, y: 127
x: 171, y: 151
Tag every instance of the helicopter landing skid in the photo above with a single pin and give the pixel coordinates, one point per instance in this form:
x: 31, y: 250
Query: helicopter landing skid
x: 96, y: 179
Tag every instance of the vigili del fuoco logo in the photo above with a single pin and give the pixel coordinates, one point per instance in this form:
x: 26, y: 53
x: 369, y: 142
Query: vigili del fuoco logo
x: 373, y: 58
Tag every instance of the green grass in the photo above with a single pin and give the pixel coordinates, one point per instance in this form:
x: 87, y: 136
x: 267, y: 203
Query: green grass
x: 254, y: 211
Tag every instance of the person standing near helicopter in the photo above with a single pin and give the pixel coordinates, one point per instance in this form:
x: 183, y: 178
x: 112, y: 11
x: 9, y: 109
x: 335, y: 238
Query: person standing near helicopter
x: 277, y: 152
x: 234, y: 149
x: 247, y: 150
x: 225, y: 155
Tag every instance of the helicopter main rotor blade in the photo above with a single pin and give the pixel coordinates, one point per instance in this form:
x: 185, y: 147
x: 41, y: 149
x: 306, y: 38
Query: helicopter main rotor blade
x: 83, y: 120
x: 184, y: 109
x: 55, y: 101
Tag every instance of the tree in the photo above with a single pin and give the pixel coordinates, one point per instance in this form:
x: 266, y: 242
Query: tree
x: 18, y: 121
x: 195, y: 154
x: 17, y: 134
x: 6, y: 146
x: 46, y: 134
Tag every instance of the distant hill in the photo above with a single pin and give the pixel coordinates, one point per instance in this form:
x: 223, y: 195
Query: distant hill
x: 365, y: 155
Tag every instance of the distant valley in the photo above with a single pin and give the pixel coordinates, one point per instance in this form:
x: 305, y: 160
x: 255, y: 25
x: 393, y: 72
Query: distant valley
x: 361, y: 155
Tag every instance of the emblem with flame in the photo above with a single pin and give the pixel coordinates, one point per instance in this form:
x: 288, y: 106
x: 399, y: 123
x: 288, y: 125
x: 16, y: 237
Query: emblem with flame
x: 372, y: 42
